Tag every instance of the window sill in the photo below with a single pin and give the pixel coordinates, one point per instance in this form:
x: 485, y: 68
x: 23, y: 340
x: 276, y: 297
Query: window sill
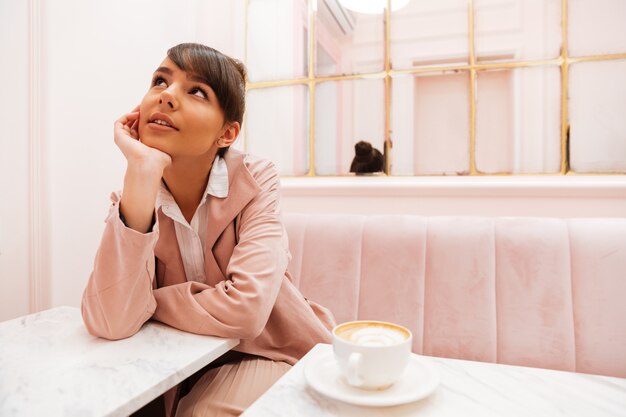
x: 594, y: 186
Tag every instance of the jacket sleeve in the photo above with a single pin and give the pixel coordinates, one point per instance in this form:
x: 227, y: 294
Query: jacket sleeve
x: 118, y: 298
x: 240, y: 306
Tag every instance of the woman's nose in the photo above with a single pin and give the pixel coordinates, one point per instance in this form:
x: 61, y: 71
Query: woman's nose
x: 168, y: 99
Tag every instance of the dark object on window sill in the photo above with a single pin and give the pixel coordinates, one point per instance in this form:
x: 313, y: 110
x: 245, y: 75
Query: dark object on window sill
x: 367, y: 159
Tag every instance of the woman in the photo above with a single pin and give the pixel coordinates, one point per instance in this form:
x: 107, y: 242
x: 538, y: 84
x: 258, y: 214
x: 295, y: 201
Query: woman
x: 195, y: 239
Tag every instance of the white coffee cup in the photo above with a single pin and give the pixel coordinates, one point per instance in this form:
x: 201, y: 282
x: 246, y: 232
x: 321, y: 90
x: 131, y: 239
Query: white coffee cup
x: 371, y: 354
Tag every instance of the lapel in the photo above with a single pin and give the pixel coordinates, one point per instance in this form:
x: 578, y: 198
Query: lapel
x: 242, y: 188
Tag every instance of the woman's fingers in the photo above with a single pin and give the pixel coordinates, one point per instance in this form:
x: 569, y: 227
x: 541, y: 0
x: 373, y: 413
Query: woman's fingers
x: 122, y: 127
x: 132, y: 114
x: 130, y: 123
x: 126, y: 135
x: 134, y: 132
x: 125, y: 119
x: 130, y: 117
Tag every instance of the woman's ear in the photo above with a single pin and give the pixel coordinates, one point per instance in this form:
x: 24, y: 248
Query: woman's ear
x: 229, y: 135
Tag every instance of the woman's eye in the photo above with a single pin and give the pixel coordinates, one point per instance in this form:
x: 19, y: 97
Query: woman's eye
x: 158, y: 81
x: 196, y: 91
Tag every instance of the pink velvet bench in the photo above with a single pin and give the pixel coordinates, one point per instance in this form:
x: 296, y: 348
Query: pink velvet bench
x: 540, y: 292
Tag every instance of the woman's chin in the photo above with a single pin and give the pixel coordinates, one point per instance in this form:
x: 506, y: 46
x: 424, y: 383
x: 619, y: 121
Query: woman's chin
x: 156, y: 143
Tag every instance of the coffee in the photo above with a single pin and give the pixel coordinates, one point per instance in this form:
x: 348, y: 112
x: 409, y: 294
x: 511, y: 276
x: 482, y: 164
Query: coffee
x: 371, y: 354
x: 372, y: 334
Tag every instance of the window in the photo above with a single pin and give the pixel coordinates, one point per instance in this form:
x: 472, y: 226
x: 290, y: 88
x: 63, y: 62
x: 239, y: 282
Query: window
x: 452, y: 87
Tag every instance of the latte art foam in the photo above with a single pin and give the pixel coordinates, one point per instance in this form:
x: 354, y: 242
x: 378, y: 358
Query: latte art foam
x: 373, y: 336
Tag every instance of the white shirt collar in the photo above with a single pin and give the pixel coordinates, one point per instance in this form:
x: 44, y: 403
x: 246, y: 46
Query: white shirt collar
x: 218, y: 179
x: 217, y: 186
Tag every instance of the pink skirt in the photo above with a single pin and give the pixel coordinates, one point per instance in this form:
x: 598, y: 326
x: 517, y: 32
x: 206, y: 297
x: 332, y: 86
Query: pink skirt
x: 231, y: 388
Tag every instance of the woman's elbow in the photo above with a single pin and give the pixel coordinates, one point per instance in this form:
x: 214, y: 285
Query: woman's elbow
x: 108, y: 334
x: 106, y: 330
x: 111, y: 328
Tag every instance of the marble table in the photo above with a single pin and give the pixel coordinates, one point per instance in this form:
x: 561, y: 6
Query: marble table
x: 466, y: 389
x: 51, y: 366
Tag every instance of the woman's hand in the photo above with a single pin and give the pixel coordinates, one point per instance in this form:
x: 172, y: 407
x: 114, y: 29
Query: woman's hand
x: 126, y: 136
x: 143, y: 173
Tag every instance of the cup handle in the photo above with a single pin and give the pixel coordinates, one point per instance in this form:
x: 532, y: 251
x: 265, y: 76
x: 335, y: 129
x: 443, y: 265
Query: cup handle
x: 354, y: 363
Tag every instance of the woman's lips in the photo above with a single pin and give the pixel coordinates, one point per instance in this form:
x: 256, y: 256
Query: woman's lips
x: 161, y: 128
x: 161, y: 119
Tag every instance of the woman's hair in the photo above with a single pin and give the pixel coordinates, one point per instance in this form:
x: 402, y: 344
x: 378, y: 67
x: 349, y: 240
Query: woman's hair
x: 225, y: 75
x: 367, y: 159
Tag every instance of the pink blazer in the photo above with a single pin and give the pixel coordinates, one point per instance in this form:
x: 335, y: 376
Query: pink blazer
x: 248, y: 294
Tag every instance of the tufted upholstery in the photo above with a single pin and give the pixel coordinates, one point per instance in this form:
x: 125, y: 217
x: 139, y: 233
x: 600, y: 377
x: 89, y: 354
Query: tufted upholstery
x: 540, y: 292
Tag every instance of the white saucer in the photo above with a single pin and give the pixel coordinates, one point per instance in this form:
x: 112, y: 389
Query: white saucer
x: 419, y: 380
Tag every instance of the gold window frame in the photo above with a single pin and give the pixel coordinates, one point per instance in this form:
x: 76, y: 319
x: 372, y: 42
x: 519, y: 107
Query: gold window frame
x: 563, y: 62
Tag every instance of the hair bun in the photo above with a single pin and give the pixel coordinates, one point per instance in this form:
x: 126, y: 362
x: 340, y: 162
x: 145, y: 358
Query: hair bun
x: 363, y: 148
x: 367, y: 159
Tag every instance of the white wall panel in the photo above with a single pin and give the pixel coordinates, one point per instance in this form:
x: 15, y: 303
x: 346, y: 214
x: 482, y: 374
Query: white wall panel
x: 14, y: 158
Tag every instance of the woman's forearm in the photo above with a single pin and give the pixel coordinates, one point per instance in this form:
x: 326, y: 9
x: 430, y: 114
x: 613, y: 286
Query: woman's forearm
x: 141, y: 185
x: 118, y: 297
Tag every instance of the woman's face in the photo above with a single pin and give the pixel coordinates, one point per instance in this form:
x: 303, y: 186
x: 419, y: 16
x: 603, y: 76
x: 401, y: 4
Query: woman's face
x: 180, y: 115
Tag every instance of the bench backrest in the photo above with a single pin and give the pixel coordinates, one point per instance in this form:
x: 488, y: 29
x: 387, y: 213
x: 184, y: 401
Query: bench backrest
x: 542, y: 292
